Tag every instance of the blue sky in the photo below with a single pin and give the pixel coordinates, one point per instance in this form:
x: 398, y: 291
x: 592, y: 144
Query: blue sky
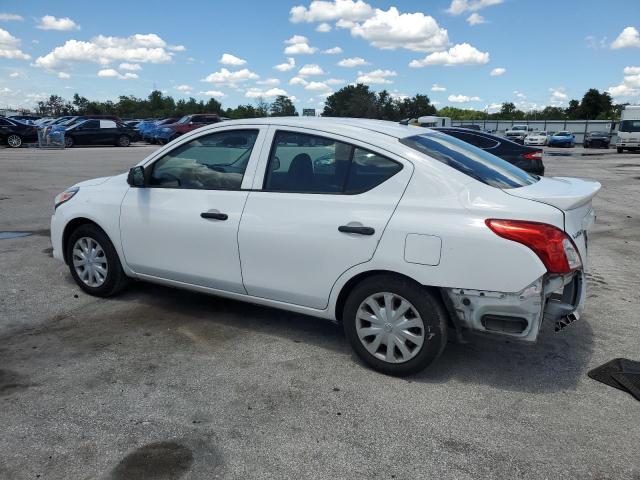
x: 540, y: 52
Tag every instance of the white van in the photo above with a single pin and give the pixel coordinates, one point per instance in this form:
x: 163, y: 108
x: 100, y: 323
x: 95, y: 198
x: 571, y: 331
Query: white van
x: 629, y: 129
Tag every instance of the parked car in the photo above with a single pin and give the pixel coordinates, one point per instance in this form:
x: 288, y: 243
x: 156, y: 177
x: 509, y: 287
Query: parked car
x: 100, y: 132
x: 527, y: 158
x: 517, y: 133
x: 562, y: 139
x: 29, y: 119
x: 15, y: 133
x: 597, y: 139
x: 411, y: 233
x: 151, y: 131
x: 171, y: 131
x: 537, y: 138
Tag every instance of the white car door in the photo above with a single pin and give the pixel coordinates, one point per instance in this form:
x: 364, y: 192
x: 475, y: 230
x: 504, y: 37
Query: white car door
x: 183, y: 224
x: 320, y: 209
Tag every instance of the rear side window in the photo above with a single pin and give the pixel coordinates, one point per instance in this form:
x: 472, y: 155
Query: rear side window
x: 470, y: 160
x: 107, y: 124
x: 312, y: 164
x: 91, y: 124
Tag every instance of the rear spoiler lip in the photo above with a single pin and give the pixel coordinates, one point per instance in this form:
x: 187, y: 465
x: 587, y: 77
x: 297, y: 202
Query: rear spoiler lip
x: 579, y: 192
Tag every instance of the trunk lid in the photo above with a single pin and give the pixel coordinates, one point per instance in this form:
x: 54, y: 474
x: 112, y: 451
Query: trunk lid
x: 571, y: 195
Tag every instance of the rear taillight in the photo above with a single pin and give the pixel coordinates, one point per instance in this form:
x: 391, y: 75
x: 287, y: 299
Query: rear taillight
x: 554, y: 247
x: 537, y: 155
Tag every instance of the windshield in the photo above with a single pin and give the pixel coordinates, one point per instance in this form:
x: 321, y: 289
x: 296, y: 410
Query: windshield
x: 629, y: 126
x: 519, y: 127
x: 563, y: 134
x: 184, y: 119
x: 470, y: 160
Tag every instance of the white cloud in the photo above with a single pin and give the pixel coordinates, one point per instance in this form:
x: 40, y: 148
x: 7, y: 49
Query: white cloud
x: 376, y: 76
x: 496, y: 72
x: 352, y: 62
x: 298, y: 45
x: 226, y: 77
x: 271, y: 82
x: 462, y: 99
x: 228, y: 59
x: 317, y: 86
x: 49, y: 22
x: 629, y: 37
x: 438, y: 88
x: 63, y: 75
x: 131, y: 67
x: 329, y: 11
x: 138, y: 48
x: 595, y: 42
x: 519, y: 95
x: 311, y: 69
x: 398, y: 95
x: 177, y: 48
x: 334, y: 81
x: 493, y: 107
x: 285, y: 67
x: 108, y: 73
x: 8, y: 17
x: 332, y: 51
x: 558, y: 95
x: 15, y: 74
x: 186, y: 89
x: 461, y: 54
x: 459, y: 7
x: 629, y: 88
x: 113, y: 73
x: 297, y: 81
x: 323, y: 28
x: 213, y: 93
x: 475, y: 19
x: 10, y: 47
x: 257, y: 92
x: 391, y: 29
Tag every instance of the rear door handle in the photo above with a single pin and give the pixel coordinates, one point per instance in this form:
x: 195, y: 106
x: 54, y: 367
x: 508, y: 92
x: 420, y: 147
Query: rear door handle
x: 357, y: 230
x: 214, y: 215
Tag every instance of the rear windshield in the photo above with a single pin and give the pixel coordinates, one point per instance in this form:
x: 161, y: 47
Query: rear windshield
x: 470, y: 160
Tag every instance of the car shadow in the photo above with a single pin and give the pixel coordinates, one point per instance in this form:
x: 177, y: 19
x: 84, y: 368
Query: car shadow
x: 556, y: 362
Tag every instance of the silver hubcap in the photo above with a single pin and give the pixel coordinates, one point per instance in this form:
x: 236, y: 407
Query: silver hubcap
x: 90, y: 262
x: 390, y: 327
x: 14, y: 141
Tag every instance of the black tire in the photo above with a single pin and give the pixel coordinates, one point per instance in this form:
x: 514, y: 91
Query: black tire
x: 68, y: 141
x: 14, y: 140
x: 620, y: 150
x: 115, y: 279
x: 123, y: 141
x: 428, y: 306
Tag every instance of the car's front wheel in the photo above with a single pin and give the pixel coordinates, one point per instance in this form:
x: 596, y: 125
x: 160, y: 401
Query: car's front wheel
x: 68, y: 142
x: 123, y: 141
x: 395, y: 325
x: 14, y: 141
x: 620, y: 150
x: 93, y: 261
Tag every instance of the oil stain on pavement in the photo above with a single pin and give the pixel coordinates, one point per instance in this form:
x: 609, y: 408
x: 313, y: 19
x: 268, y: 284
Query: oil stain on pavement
x: 155, y: 461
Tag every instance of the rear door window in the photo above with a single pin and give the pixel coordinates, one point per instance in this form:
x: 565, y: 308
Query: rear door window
x: 107, y: 124
x: 480, y: 141
x: 470, y: 160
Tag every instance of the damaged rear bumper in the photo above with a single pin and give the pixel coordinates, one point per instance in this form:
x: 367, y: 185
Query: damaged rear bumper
x: 558, y: 299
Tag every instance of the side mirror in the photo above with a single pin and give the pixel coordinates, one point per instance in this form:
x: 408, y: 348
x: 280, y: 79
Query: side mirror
x: 136, y: 177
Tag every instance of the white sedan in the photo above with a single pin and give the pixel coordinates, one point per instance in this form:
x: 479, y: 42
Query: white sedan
x: 402, y: 234
x: 537, y: 138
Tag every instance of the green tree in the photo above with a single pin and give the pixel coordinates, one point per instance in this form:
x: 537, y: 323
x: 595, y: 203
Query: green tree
x: 351, y: 101
x: 282, y: 106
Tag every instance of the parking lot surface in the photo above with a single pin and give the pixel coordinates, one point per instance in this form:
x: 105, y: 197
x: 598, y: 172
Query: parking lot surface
x: 160, y: 384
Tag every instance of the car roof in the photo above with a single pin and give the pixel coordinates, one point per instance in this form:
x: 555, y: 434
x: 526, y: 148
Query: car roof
x: 338, y: 125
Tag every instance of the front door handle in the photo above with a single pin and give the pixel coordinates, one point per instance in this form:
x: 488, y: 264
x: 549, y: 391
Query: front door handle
x: 356, y: 229
x: 214, y: 215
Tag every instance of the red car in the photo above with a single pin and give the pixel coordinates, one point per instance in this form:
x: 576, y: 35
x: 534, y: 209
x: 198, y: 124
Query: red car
x: 187, y: 123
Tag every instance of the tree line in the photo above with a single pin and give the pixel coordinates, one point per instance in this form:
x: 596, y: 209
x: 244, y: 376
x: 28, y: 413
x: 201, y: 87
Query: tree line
x: 350, y: 101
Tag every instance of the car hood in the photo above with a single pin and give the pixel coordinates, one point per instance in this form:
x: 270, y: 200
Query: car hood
x: 562, y: 192
x: 93, y: 182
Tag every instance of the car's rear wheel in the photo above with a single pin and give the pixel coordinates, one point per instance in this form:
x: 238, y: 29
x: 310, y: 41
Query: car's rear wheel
x: 123, y: 141
x: 93, y: 261
x: 395, y: 325
x: 68, y: 141
x: 620, y: 150
x: 14, y: 141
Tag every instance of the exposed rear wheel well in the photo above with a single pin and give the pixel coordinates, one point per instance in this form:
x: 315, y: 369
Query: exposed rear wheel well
x: 70, y: 227
x: 349, y: 286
